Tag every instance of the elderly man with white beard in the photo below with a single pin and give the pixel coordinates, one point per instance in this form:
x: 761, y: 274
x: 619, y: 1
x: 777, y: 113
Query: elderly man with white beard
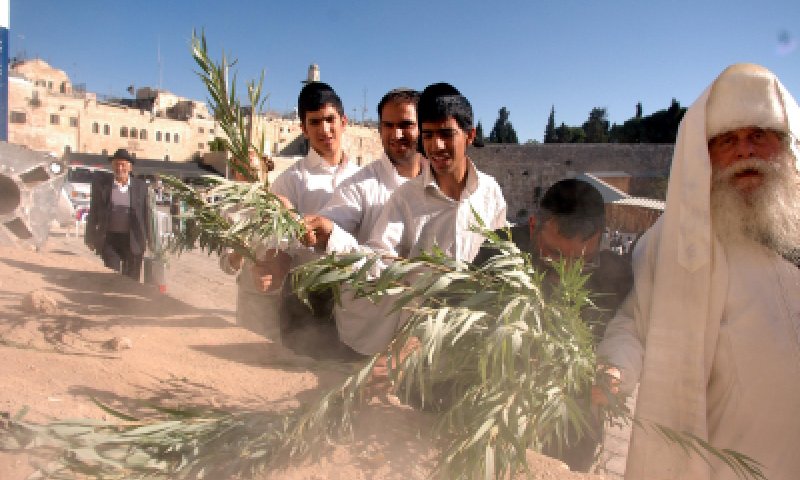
x: 712, y: 327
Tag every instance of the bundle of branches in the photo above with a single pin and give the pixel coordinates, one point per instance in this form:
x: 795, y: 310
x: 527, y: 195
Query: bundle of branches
x: 505, y: 365
x: 241, y: 216
x: 509, y: 364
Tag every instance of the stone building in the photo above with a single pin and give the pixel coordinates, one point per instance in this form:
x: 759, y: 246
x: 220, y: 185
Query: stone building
x: 524, y: 172
x: 48, y: 113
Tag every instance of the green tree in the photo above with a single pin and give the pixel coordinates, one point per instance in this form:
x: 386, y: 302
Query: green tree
x: 479, y: 138
x: 503, y: 131
x: 550, y: 135
x: 597, y: 127
x: 659, y: 127
x: 219, y: 144
x: 567, y: 134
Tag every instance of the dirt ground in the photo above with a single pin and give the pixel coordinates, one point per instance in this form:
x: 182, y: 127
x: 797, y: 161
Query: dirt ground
x: 125, y: 344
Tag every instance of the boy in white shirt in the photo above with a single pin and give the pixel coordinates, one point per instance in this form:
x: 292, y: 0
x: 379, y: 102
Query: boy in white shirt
x: 307, y: 185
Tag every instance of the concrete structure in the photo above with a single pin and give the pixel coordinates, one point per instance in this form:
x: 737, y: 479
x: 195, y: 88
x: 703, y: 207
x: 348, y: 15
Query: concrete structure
x: 524, y: 172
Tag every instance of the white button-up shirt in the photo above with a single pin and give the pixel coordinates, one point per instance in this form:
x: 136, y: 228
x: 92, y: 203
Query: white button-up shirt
x: 310, y: 182
x: 420, y: 216
x: 417, y: 217
x: 359, y: 201
x: 309, y: 185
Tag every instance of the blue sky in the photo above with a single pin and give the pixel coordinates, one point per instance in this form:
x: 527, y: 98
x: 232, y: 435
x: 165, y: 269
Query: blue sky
x: 524, y: 55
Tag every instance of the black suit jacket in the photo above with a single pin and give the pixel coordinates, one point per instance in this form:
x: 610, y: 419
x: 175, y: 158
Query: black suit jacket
x: 100, y: 211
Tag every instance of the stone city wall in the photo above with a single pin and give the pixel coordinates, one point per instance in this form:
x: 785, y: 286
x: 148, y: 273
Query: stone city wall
x: 524, y: 172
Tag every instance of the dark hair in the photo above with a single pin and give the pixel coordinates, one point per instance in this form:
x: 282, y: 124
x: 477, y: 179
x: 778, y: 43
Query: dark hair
x: 316, y: 95
x: 402, y: 94
x: 576, y: 206
x: 442, y: 100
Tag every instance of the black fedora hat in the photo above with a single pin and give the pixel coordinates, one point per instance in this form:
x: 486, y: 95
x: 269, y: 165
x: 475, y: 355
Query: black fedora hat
x: 122, y: 154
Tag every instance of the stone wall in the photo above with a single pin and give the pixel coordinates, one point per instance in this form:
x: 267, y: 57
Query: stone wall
x: 524, y: 172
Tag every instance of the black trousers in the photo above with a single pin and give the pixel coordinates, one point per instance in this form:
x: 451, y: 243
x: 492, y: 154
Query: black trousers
x: 117, y: 255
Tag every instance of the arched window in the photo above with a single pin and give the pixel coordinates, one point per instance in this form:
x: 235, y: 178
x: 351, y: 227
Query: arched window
x: 143, y: 134
x: 95, y: 127
x: 166, y: 136
x: 123, y: 132
x: 158, y: 136
x: 175, y: 138
x: 106, y: 129
x: 134, y: 132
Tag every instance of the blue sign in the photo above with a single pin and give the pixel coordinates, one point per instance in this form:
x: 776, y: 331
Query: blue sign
x: 3, y: 84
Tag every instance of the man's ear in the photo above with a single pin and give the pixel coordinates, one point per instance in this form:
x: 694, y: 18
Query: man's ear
x: 344, y: 120
x: 303, y: 129
x: 471, y: 133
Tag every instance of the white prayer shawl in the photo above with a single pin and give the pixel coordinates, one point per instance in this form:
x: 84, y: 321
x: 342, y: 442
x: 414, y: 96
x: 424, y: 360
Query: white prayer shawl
x: 676, y: 305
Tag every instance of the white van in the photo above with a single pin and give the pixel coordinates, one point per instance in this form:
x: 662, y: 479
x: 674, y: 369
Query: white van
x: 78, y: 185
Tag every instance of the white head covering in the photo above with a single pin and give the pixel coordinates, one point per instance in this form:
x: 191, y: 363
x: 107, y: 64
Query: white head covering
x: 689, y: 278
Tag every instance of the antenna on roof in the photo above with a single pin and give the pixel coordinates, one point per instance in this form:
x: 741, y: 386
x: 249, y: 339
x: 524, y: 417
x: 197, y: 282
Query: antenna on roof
x: 364, y: 108
x: 158, y: 53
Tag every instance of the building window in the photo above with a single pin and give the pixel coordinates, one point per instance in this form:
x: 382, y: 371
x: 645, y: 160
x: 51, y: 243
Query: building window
x: 201, y: 146
x: 166, y: 136
x: 123, y: 132
x: 63, y: 87
x: 175, y: 139
x: 134, y: 132
x: 143, y: 134
x: 106, y: 129
x: 211, y: 131
x: 73, y: 121
x: 50, y: 85
x: 201, y: 130
x: 54, y: 120
x: 104, y: 152
x: 158, y: 136
x: 18, y: 117
x: 95, y: 127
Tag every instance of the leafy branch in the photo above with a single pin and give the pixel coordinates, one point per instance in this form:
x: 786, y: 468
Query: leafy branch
x: 236, y: 121
x: 241, y: 216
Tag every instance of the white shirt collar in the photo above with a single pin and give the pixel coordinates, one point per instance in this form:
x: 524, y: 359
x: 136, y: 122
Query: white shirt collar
x: 122, y: 188
x: 315, y: 160
x: 472, y: 179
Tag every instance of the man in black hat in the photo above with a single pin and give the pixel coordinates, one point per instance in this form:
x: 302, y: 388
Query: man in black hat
x: 117, y: 226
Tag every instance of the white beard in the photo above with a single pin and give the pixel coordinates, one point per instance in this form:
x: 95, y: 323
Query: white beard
x: 769, y: 214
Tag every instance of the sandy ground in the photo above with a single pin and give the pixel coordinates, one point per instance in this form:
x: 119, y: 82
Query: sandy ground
x: 184, y: 350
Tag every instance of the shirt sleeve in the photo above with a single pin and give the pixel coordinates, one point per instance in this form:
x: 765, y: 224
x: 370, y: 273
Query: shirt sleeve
x: 286, y: 185
x: 499, y: 220
x: 389, y: 230
x: 624, y: 341
x: 621, y: 346
x: 345, y: 209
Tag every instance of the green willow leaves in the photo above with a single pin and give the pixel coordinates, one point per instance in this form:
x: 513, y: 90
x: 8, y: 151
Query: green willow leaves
x: 241, y: 216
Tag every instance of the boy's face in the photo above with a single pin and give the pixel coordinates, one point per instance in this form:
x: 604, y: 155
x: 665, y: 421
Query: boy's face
x: 323, y: 128
x: 445, y: 145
